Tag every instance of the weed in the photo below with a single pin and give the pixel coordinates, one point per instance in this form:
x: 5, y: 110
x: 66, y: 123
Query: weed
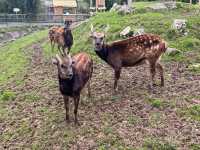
x: 192, y: 112
x: 155, y: 144
x: 7, y: 95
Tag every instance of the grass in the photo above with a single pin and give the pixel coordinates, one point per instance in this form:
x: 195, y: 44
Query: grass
x: 153, y: 22
x: 51, y: 130
x: 156, y: 144
x: 13, y: 58
x: 192, y: 112
x: 158, y: 103
x: 134, y: 120
x: 7, y: 96
x: 195, y: 147
x: 194, y: 68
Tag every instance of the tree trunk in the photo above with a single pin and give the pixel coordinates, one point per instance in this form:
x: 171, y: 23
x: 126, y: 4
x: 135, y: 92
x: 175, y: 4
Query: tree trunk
x: 190, y: 1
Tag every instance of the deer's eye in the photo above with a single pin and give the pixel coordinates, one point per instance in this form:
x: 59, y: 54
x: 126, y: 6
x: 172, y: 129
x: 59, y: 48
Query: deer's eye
x: 63, y: 66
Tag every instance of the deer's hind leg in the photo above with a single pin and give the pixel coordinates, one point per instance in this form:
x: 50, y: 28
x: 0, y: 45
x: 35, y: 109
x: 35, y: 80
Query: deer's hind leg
x: 161, y: 71
x: 152, y: 65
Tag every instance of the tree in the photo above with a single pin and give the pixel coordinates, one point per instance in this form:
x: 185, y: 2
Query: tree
x: 32, y: 6
x: 26, y: 6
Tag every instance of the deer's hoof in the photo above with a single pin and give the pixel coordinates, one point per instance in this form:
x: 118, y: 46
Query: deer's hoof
x: 77, y: 123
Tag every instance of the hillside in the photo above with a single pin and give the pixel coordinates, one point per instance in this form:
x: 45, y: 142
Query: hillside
x: 32, y: 109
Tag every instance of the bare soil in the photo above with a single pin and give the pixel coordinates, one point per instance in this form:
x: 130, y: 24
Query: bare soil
x: 35, y: 118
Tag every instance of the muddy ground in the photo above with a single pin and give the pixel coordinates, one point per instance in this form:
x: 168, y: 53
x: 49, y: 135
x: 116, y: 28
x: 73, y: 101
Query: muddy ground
x: 35, y: 119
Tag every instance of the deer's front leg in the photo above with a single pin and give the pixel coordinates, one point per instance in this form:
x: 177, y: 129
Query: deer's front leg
x: 76, y: 103
x: 66, y: 101
x: 117, y: 76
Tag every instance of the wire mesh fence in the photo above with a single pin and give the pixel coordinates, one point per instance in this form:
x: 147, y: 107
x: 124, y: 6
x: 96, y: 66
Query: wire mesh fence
x: 41, y: 18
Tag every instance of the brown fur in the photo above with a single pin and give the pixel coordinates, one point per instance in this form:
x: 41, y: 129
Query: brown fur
x: 82, y: 73
x: 58, y: 35
x: 131, y: 52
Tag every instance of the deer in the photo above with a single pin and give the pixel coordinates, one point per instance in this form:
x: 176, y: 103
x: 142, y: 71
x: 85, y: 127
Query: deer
x: 73, y: 74
x: 130, y: 52
x: 62, y: 36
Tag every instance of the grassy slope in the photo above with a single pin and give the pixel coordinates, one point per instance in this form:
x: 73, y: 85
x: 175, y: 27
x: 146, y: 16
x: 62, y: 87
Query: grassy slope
x: 13, y: 59
x: 153, y: 22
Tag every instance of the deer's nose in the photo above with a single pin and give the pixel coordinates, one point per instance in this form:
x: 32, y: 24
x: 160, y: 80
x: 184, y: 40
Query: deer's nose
x: 70, y: 75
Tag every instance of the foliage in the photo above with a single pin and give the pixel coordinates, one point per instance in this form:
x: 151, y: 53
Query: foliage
x: 26, y: 6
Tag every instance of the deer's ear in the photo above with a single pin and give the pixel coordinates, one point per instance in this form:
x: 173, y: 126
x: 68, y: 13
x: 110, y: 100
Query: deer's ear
x: 73, y: 62
x: 91, y: 35
x: 54, y: 61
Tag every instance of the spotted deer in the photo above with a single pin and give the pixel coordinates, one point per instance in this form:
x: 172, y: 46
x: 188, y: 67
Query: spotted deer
x: 133, y: 51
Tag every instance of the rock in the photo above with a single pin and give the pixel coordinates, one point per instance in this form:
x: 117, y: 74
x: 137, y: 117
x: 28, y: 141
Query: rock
x: 139, y: 31
x: 172, y: 51
x: 125, y: 9
x: 122, y: 9
x: 126, y: 31
x: 115, y: 7
x: 170, y: 5
x: 158, y: 6
x: 180, y: 25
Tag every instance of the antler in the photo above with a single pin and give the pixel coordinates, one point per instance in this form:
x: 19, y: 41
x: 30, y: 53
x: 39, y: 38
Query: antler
x: 107, y: 28
x: 58, y: 58
x: 92, y: 28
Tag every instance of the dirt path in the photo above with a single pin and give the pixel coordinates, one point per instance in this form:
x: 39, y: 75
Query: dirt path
x: 35, y: 119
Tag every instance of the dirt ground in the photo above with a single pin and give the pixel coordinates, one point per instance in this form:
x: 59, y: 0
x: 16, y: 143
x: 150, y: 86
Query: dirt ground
x: 35, y: 119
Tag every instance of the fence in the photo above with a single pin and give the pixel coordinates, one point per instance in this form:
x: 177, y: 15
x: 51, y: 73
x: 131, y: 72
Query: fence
x: 41, y: 18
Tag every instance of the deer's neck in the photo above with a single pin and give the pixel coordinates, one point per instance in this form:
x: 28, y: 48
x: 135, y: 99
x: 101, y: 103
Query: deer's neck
x: 103, y: 53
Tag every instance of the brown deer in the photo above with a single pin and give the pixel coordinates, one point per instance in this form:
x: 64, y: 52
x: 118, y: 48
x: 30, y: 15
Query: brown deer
x: 73, y: 74
x: 133, y: 51
x: 62, y: 36
x: 52, y: 36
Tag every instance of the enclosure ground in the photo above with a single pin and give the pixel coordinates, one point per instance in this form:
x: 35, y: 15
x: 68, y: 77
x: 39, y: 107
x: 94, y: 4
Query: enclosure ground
x: 132, y: 118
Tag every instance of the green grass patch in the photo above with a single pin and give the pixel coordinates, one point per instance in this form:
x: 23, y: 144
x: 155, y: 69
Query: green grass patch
x: 156, y: 144
x: 111, y: 142
x: 192, y: 112
x: 134, y: 120
x: 194, y: 68
x: 7, y: 95
x: 195, y: 146
x: 158, y: 103
x: 32, y: 97
x: 153, y: 22
x: 13, y: 60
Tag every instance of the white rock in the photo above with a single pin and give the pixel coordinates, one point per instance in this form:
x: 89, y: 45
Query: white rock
x: 179, y: 24
x: 172, y: 51
x: 126, y: 31
x: 139, y: 31
x: 158, y: 6
x: 170, y: 5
